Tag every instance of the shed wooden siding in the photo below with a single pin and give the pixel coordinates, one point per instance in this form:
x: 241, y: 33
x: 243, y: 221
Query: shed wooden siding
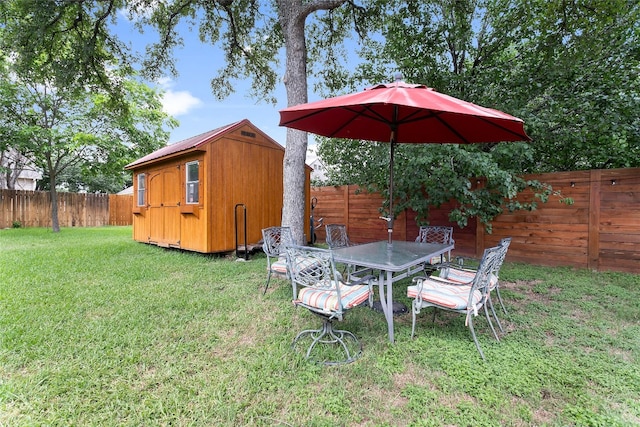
x: 238, y: 166
x: 244, y: 171
x: 600, y: 231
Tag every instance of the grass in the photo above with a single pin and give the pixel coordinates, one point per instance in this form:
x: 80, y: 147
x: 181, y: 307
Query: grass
x: 96, y: 329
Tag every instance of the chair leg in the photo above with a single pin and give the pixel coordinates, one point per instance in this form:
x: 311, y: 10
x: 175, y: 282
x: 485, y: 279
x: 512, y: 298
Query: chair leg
x: 495, y: 316
x: 328, y: 335
x: 414, y: 312
x: 266, y: 286
x: 486, y: 313
x: 473, y: 334
x: 500, y: 299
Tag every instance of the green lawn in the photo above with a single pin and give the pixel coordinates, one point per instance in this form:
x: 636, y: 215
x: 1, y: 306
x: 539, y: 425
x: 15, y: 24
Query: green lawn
x: 96, y: 329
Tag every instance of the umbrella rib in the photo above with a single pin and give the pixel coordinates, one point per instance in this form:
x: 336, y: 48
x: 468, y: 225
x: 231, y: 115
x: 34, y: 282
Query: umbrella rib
x: 455, y: 132
x: 357, y: 113
x: 519, y: 135
x: 297, y: 119
x: 411, y: 118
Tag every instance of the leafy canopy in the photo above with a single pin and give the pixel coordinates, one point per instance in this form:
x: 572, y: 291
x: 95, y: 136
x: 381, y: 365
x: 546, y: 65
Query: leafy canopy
x: 569, y: 69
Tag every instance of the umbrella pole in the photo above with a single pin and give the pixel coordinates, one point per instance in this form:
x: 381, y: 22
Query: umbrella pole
x: 392, y: 146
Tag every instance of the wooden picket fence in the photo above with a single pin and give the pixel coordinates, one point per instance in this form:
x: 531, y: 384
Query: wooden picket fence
x: 120, y: 209
x: 599, y: 231
x: 33, y: 209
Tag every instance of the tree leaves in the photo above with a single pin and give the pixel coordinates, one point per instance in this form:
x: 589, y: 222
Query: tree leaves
x: 569, y: 69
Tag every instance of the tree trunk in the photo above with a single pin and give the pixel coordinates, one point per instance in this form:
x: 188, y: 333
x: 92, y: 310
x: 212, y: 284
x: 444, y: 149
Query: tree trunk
x: 292, y: 15
x: 55, y: 222
x: 295, y: 81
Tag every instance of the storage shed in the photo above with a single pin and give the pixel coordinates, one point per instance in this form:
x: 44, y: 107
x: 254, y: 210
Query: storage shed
x: 197, y: 194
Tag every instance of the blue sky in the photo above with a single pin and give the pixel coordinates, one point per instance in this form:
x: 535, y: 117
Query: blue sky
x: 189, y: 98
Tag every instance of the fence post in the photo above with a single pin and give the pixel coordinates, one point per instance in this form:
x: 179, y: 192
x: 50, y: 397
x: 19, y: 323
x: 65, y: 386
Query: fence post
x: 593, y: 249
x: 346, y: 205
x: 480, y: 228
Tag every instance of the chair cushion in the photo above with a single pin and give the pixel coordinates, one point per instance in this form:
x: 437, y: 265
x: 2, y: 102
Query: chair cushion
x: 326, y: 300
x: 457, y: 275
x: 280, y: 266
x: 435, y: 260
x: 449, y: 295
x: 465, y: 276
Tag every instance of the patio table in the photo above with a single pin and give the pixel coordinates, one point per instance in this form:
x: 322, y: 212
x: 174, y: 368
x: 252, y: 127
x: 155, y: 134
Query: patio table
x: 396, y: 261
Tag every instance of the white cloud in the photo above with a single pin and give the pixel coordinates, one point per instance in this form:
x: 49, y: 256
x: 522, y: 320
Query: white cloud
x: 165, y: 82
x: 177, y: 103
x: 138, y: 9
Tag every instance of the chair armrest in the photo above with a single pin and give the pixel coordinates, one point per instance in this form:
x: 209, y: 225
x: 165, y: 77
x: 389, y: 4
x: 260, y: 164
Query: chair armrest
x: 432, y: 268
x: 361, y: 280
x: 460, y: 263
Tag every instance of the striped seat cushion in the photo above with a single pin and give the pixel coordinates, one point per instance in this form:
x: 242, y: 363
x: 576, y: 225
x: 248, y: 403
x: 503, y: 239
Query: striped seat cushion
x: 438, y: 259
x: 457, y: 275
x: 465, y: 276
x: 326, y: 300
x: 280, y: 266
x: 450, y: 295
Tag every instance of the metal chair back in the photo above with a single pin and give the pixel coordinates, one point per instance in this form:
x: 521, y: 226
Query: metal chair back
x: 337, y: 236
x: 318, y: 287
x: 436, y: 234
x: 274, y: 240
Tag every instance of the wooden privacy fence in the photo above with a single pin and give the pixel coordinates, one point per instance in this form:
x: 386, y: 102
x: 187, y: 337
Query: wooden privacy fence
x: 33, y: 209
x: 600, y: 231
x: 120, y: 209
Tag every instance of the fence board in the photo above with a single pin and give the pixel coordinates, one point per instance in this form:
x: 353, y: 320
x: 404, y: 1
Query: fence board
x: 33, y: 209
x: 601, y: 230
x: 120, y: 209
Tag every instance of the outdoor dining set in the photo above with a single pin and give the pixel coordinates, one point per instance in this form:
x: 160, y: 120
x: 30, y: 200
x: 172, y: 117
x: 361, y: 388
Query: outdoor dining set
x: 405, y: 113
x: 329, y: 282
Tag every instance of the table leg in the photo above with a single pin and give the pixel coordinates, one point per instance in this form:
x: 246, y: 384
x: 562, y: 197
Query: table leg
x: 383, y: 299
x: 386, y: 301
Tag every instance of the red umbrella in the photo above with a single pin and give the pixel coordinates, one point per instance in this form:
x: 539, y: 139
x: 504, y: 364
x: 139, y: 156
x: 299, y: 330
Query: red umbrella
x: 406, y: 113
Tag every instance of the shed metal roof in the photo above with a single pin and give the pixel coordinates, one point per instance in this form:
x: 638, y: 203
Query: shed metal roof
x: 186, y: 144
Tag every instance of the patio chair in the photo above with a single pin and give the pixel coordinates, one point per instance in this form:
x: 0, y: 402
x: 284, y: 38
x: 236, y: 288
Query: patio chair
x: 274, y: 239
x: 337, y: 237
x: 436, y: 234
x: 466, y: 298
x: 458, y: 273
x: 319, y: 288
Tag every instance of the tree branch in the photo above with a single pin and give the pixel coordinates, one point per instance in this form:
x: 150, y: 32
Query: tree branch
x: 313, y: 6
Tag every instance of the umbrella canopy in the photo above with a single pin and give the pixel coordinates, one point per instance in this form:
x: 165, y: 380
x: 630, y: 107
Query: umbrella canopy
x: 403, y: 113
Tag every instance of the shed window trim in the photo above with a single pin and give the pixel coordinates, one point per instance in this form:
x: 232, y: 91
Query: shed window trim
x: 192, y: 179
x: 141, y: 190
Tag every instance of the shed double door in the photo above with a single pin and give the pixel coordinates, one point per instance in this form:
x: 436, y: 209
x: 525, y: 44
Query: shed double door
x: 164, y: 207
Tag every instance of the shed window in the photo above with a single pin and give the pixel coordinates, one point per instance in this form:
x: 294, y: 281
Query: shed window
x: 141, y: 189
x: 193, y: 182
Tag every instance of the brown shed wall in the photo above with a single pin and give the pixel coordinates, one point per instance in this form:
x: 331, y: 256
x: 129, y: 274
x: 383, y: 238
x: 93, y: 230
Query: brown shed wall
x: 239, y: 169
x: 245, y: 171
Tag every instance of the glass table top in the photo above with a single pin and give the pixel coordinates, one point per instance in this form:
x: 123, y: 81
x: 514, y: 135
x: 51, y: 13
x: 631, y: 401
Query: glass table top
x: 397, y: 257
